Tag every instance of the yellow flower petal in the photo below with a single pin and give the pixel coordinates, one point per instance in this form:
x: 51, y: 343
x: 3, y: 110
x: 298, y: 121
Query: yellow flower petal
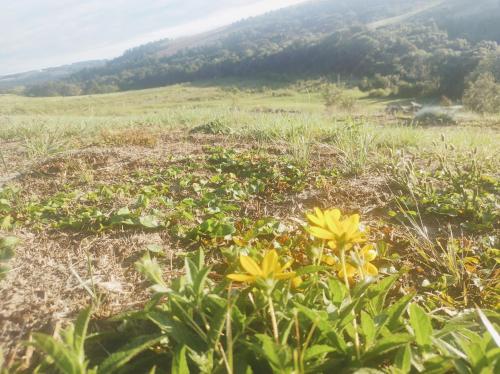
x: 333, y: 225
x: 352, y: 224
x: 368, y: 253
x: 286, y: 266
x: 334, y: 214
x: 317, y: 219
x: 250, y: 265
x: 297, y: 282
x: 318, y: 212
x: 332, y: 244
x: 241, y: 278
x: 370, y: 269
x: 351, y: 271
x: 270, y: 263
x: 321, y: 233
x: 329, y: 260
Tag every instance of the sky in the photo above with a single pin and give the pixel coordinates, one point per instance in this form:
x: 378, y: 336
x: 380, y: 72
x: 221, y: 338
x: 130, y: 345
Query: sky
x: 36, y: 34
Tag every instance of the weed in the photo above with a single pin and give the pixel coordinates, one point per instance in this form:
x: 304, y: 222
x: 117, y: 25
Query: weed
x: 354, y: 143
x: 216, y: 127
x: 44, y: 144
x: 455, y: 189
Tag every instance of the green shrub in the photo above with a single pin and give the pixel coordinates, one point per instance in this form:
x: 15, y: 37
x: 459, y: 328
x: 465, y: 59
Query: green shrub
x: 336, y: 96
x: 434, y: 118
x: 216, y: 127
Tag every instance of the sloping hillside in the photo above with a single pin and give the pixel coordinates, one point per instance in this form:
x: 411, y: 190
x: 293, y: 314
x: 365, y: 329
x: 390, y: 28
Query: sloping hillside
x: 413, y: 42
x: 473, y: 20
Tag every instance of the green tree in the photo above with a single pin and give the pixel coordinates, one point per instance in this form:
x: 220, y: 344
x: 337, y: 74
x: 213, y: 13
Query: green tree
x: 483, y: 95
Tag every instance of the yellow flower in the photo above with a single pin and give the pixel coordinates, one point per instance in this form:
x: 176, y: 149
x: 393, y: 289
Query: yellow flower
x: 364, y: 266
x: 270, y: 268
x: 297, y: 282
x: 329, y: 260
x: 318, y: 218
x: 338, y: 232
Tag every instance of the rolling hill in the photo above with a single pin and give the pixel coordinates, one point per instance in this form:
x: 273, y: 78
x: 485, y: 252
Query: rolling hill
x: 428, y: 45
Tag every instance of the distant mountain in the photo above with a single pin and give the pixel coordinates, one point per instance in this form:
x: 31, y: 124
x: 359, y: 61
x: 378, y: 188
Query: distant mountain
x: 424, y: 46
x: 12, y: 81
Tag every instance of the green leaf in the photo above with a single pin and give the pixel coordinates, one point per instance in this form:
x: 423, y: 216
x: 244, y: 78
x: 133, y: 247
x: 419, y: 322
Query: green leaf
x: 179, y: 363
x: 403, y: 359
x: 123, y: 212
x: 177, y: 330
x: 80, y: 332
x: 387, y: 344
x: 223, y: 229
x: 421, y: 324
x: 320, y: 319
x: 368, y: 328
x: 155, y: 248
x: 3, y: 270
x: 337, y: 291
x: 390, y: 316
x: 199, y: 258
x: 317, y: 350
x: 276, y: 355
x: 60, y: 354
x: 377, y: 292
x: 150, y: 222
x: 128, y: 352
x: 489, y: 326
x: 200, y: 280
x: 311, y: 269
x: 5, y: 205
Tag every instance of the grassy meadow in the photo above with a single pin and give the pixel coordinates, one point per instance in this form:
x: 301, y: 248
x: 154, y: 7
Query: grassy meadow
x: 164, y: 218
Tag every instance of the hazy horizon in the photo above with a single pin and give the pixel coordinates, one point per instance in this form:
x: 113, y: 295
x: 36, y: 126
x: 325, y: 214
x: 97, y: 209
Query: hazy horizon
x: 53, y: 33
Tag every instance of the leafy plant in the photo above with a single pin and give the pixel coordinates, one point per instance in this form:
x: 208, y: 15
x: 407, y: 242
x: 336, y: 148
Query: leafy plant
x: 272, y: 315
x: 67, y: 352
x: 216, y: 127
x: 354, y: 144
x: 455, y: 189
x: 7, y: 246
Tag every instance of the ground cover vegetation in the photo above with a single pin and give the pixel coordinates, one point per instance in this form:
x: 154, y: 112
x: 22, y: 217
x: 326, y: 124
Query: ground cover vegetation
x: 242, y: 228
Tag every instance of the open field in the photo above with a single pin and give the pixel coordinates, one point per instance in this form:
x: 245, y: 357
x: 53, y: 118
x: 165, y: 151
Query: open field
x: 90, y: 185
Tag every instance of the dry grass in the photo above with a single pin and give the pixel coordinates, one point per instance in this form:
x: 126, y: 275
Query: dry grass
x: 132, y: 137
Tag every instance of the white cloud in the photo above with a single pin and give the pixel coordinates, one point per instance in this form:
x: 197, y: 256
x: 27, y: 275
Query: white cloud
x: 43, y: 33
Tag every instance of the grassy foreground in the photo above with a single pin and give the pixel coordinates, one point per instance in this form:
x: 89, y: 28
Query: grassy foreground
x: 236, y: 228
